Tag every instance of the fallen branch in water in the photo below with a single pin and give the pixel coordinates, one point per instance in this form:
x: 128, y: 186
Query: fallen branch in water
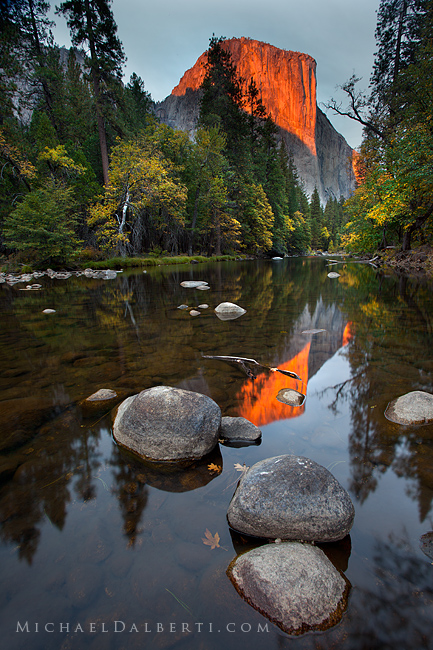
x: 243, y: 360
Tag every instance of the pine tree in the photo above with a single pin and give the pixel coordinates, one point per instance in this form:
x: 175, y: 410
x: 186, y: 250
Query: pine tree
x: 91, y: 22
x: 222, y: 100
x: 316, y: 218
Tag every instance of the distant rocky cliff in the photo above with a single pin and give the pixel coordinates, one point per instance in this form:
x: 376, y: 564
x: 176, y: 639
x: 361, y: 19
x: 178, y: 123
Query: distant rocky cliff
x: 287, y: 83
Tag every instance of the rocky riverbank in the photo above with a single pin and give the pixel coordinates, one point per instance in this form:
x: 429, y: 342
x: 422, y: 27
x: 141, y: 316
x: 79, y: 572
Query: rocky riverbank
x: 418, y: 261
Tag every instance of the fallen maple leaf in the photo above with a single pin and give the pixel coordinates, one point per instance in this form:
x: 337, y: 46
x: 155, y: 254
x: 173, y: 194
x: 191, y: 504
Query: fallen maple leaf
x: 213, y: 468
x: 211, y: 540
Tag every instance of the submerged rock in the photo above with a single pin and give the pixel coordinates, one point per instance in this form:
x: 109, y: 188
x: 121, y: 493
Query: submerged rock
x: 103, y: 399
x: 229, y: 311
x: 413, y: 408
x: 168, y: 424
x: 292, y: 498
x: 292, y: 584
x: 239, y: 430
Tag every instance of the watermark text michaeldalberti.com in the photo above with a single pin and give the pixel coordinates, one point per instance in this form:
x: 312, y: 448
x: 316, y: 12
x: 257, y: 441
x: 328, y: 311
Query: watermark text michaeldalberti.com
x: 119, y: 627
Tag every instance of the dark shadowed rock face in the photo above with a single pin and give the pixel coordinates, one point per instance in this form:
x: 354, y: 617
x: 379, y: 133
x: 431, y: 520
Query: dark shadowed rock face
x: 168, y: 424
x: 292, y: 498
x: 292, y: 584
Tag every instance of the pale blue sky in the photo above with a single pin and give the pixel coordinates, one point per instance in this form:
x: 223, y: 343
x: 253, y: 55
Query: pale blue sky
x: 163, y: 38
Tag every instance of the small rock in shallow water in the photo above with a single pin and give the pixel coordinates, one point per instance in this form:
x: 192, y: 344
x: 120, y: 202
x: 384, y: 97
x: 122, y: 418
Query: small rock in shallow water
x: 413, y: 408
x: 238, y: 429
x: 229, y: 311
x: 194, y: 312
x: 333, y: 274
x: 203, y: 306
x: 426, y: 544
x: 291, y: 397
x: 183, y: 307
x: 49, y: 311
x: 193, y: 284
x: 102, y: 394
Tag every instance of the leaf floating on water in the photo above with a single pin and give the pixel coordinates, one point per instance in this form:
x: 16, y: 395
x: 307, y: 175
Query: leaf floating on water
x: 240, y: 468
x: 213, y: 468
x: 313, y: 331
x: 290, y: 397
x: 211, y: 540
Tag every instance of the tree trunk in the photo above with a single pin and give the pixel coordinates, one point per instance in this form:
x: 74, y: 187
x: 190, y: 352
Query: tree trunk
x: 40, y: 58
x: 97, y: 93
x: 218, y: 236
x: 416, y: 225
x: 194, y: 220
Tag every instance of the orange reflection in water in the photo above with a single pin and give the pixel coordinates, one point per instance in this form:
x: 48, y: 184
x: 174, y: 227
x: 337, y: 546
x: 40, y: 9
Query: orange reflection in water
x: 257, y: 397
x: 348, y: 333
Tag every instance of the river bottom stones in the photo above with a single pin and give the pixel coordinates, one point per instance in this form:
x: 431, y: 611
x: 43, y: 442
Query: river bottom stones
x: 292, y: 584
x: 168, y: 424
x: 291, y: 498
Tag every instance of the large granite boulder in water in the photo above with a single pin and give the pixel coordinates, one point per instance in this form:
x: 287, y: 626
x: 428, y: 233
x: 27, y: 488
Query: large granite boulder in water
x: 168, y: 424
x: 292, y: 584
x: 292, y: 498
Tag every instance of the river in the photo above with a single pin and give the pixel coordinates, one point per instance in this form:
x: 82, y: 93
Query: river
x: 100, y: 550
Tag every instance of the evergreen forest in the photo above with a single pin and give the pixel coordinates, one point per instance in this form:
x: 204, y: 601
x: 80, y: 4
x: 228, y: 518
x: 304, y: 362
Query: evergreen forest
x: 88, y: 173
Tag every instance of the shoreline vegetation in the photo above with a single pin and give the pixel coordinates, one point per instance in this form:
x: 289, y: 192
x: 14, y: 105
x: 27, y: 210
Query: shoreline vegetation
x: 418, y: 261
x: 88, y: 172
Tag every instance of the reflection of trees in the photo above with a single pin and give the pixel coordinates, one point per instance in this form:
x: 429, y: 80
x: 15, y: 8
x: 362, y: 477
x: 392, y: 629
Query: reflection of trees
x: 386, y: 362
x: 398, y: 613
x: 131, y: 491
x: 61, y: 459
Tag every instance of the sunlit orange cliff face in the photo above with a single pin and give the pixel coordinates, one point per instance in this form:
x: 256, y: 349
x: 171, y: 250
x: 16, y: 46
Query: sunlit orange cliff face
x: 287, y: 82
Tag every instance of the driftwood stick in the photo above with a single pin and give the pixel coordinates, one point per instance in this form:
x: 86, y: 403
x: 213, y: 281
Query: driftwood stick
x: 243, y: 360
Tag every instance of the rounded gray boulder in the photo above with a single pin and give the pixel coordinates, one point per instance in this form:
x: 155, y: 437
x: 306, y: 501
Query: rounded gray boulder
x: 168, y: 424
x: 239, y: 430
x: 292, y: 498
x: 415, y: 407
x: 292, y: 584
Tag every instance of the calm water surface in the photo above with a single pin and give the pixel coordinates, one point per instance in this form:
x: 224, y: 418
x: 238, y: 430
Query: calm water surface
x: 100, y: 550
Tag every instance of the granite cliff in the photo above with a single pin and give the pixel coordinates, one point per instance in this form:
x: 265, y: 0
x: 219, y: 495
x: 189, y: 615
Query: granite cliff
x: 287, y: 83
